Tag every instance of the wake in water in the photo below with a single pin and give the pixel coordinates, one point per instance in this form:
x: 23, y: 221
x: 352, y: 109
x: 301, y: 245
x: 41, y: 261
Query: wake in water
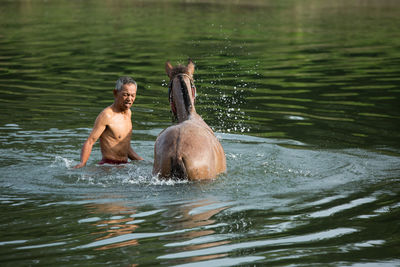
x: 106, y: 175
x: 256, y: 166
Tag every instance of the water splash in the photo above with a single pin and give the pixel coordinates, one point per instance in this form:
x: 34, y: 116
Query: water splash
x: 60, y: 161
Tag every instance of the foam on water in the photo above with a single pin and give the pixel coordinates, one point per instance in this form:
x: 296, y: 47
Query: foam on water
x: 256, y: 166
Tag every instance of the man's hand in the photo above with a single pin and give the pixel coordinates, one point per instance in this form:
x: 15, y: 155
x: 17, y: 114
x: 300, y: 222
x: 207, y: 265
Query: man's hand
x: 80, y: 165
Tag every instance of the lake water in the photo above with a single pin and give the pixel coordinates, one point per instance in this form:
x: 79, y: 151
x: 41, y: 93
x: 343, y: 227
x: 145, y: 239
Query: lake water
x: 303, y: 95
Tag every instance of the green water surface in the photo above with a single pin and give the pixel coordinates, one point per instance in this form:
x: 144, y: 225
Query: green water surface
x: 304, y: 96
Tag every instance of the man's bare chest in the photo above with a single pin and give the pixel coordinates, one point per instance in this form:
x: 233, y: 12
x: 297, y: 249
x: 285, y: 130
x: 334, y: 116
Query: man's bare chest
x: 119, y: 128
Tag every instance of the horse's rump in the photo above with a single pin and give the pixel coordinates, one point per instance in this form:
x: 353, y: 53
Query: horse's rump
x: 185, y: 150
x: 178, y: 168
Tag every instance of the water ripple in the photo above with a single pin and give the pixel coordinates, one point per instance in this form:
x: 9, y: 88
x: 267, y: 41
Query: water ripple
x: 333, y: 210
x: 308, y: 238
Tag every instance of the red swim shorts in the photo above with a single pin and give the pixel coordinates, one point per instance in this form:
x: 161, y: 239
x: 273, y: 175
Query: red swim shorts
x: 111, y: 161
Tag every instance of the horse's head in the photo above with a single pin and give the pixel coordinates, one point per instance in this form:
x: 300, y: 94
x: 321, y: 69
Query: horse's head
x: 182, y: 91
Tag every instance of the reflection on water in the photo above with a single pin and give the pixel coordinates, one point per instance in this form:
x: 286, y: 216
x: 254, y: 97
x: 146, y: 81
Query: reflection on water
x: 198, y: 217
x: 302, y: 94
x: 123, y: 226
x: 116, y: 225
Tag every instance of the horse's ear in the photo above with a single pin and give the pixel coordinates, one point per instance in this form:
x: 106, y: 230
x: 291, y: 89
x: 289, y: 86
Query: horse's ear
x: 190, y: 67
x: 168, y: 69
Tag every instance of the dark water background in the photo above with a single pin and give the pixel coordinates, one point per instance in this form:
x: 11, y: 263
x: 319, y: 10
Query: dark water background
x: 304, y: 96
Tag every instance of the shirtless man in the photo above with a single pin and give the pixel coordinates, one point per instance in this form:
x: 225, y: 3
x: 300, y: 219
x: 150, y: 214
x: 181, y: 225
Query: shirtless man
x: 114, y: 127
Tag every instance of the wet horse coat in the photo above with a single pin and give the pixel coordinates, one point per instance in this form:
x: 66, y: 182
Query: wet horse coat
x: 189, y: 149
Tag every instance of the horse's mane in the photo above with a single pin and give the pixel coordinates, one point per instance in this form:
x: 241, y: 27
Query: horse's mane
x: 177, y: 71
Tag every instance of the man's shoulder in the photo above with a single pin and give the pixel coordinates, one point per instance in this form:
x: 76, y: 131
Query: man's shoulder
x: 106, y: 113
x: 109, y: 113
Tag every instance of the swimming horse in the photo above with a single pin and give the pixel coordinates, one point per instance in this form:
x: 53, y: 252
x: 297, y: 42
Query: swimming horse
x: 188, y: 149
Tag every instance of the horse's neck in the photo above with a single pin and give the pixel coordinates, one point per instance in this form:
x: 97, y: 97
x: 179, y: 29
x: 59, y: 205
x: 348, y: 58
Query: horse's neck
x: 182, y: 97
x: 184, y: 113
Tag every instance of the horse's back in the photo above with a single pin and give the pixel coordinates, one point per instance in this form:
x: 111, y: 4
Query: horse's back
x: 165, y: 151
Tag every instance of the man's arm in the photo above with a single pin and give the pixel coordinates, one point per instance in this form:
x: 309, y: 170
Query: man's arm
x: 98, y: 129
x: 132, y: 154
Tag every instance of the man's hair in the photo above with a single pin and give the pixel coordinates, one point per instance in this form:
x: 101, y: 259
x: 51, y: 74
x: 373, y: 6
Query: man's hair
x: 124, y: 80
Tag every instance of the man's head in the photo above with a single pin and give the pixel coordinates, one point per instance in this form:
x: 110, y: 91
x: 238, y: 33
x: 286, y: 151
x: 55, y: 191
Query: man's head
x: 124, y: 93
x: 124, y: 80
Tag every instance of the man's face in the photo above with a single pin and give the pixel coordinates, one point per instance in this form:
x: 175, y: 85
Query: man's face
x: 126, y: 96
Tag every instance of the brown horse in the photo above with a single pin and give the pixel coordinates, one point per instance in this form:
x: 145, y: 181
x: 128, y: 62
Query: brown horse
x: 189, y: 149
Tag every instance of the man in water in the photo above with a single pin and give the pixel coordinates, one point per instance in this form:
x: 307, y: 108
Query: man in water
x: 114, y: 127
